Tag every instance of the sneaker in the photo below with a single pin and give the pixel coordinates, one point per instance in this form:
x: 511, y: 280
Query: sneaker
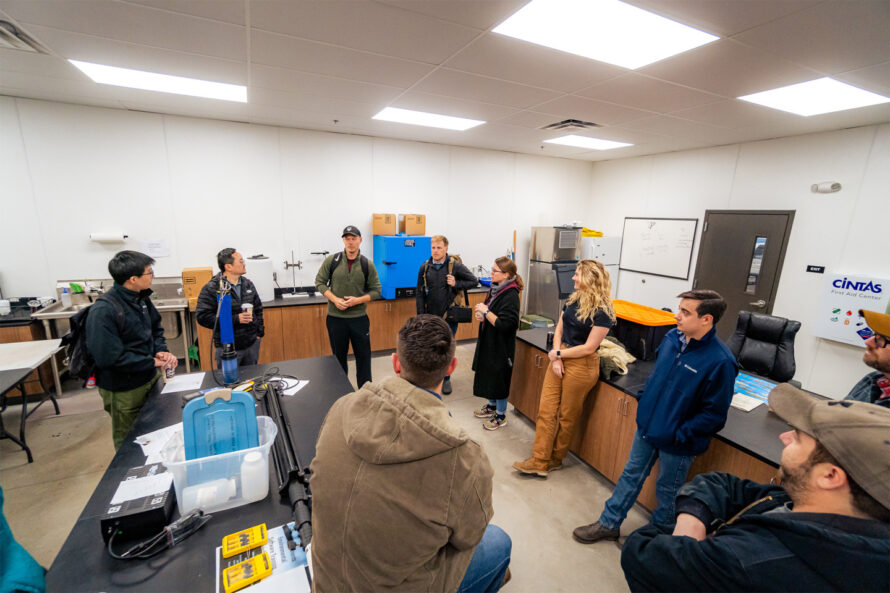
x: 91, y: 382
x: 485, y: 411
x: 446, y: 386
x: 495, y: 422
x: 589, y: 534
x: 531, y: 467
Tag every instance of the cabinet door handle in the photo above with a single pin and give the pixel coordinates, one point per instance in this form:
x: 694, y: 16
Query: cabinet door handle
x: 618, y: 411
x: 624, y: 411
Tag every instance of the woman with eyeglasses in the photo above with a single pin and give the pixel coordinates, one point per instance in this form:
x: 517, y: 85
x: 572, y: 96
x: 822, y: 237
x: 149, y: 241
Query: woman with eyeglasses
x: 574, y: 367
x: 496, y: 346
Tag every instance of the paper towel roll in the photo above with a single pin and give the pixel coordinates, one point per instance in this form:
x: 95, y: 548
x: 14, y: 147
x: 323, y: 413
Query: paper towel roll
x: 107, y: 237
x: 259, y: 270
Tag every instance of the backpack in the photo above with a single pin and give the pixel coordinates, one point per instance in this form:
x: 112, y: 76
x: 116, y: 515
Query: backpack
x: 458, y: 300
x: 77, y: 356
x: 336, y: 262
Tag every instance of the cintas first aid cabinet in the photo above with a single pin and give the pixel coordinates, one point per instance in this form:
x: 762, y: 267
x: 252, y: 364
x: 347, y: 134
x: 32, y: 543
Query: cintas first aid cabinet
x: 398, y: 259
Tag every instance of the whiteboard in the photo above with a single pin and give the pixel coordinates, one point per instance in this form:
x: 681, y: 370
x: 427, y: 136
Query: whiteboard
x: 658, y: 246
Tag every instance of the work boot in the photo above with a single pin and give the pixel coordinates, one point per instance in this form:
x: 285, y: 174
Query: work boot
x: 531, y: 466
x: 590, y: 534
x: 446, y: 386
x: 553, y: 465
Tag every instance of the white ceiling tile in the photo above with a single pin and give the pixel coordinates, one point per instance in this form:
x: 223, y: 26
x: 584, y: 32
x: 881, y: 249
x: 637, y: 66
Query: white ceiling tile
x: 670, y: 126
x: 651, y: 94
x: 729, y: 68
x: 431, y: 103
x: 480, y: 88
x: 42, y: 64
x: 272, y: 49
x: 829, y: 36
x: 311, y: 103
x: 227, y: 11
x: 519, y: 61
x: 479, y: 14
x: 733, y: 113
x: 722, y: 17
x: 874, y: 78
x: 590, y: 110
x: 297, y: 82
x: 366, y: 26
x: 133, y: 24
x: 528, y: 119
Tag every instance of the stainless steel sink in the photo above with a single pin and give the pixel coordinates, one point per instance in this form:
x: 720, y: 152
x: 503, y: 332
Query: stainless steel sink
x: 59, y: 311
x: 170, y: 304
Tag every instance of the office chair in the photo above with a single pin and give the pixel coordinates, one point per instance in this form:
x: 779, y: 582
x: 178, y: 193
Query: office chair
x: 764, y: 345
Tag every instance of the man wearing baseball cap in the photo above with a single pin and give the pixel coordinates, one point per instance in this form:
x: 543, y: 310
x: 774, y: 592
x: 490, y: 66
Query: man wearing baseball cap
x: 875, y: 386
x: 826, y: 528
x: 349, y: 288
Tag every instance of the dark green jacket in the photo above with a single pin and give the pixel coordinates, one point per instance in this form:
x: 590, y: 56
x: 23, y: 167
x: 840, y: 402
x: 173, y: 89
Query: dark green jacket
x: 347, y: 283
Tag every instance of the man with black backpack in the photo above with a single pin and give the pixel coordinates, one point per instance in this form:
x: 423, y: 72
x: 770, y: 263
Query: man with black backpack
x: 126, y: 340
x: 442, y: 282
x: 349, y: 288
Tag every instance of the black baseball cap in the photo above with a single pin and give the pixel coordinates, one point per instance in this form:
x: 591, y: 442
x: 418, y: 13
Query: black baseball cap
x: 351, y: 230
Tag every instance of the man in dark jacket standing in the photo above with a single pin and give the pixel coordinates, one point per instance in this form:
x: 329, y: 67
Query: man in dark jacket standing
x: 439, y: 280
x: 875, y: 387
x: 825, y: 529
x: 125, y: 338
x: 247, y: 322
x: 683, y: 405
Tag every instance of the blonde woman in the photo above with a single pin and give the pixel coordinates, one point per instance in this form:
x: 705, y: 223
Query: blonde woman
x: 574, y: 367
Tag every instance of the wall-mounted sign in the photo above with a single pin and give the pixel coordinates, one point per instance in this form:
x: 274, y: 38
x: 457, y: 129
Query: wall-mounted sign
x: 816, y: 269
x: 842, y: 297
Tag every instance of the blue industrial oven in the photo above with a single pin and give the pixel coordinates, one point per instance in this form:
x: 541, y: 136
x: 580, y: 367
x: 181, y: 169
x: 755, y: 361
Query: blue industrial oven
x: 398, y: 259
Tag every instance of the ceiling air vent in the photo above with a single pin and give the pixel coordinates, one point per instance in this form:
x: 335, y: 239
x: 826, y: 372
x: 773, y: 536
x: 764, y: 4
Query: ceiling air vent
x: 12, y: 37
x: 567, y: 124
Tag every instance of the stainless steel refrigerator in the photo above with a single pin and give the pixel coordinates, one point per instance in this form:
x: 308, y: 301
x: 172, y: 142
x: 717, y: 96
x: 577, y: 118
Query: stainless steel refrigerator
x: 554, y: 253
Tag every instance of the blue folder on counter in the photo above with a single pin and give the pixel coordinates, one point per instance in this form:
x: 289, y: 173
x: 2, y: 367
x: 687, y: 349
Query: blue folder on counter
x: 220, y: 422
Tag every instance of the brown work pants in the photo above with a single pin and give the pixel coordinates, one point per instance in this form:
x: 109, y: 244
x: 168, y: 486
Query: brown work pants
x: 562, y: 400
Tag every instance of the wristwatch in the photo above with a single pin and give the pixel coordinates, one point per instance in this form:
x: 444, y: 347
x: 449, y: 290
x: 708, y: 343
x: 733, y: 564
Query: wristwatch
x: 559, y: 354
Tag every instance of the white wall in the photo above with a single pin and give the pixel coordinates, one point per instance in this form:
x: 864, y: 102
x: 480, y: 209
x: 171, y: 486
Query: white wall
x: 203, y: 184
x: 844, y: 231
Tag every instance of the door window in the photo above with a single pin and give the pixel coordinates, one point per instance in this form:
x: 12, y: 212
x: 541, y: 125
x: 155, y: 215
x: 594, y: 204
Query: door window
x: 756, y: 261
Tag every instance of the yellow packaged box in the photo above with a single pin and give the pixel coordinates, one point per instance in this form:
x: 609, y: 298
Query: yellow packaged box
x: 383, y: 224
x: 194, y: 279
x: 412, y: 224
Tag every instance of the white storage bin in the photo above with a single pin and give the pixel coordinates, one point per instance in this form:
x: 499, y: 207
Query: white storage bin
x: 214, y: 483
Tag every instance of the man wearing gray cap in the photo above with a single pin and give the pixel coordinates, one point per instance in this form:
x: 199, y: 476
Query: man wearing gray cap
x: 349, y: 281
x: 875, y: 387
x: 826, y: 528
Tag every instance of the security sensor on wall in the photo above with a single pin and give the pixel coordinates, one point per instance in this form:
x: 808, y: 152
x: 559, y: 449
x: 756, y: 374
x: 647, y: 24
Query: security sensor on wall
x: 826, y: 187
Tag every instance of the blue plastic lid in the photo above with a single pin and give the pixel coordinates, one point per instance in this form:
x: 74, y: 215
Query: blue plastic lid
x: 220, y: 422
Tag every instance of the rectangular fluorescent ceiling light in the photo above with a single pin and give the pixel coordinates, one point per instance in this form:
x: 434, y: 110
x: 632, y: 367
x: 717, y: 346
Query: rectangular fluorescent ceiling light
x: 605, y: 30
x: 432, y: 120
x: 163, y: 83
x: 823, y: 95
x: 587, y: 142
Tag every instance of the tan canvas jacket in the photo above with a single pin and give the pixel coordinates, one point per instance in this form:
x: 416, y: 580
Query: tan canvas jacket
x: 401, y: 494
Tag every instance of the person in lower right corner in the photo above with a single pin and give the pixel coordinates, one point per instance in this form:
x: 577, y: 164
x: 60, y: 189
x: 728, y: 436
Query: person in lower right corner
x: 574, y: 367
x: 496, y: 346
x: 826, y: 527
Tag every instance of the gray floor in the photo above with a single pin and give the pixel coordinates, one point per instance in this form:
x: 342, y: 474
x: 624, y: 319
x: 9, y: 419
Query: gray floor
x: 71, y: 452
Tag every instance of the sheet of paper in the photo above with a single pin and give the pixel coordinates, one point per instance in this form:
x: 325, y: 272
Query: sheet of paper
x: 291, y: 386
x: 156, y: 247
x: 140, y: 487
x: 190, y: 382
x: 153, y: 442
x: 744, y: 402
x: 288, y: 566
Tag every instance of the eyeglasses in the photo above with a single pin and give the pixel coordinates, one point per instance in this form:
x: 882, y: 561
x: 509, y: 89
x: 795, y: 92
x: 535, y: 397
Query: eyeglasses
x: 493, y: 270
x: 150, y: 272
x: 881, y: 341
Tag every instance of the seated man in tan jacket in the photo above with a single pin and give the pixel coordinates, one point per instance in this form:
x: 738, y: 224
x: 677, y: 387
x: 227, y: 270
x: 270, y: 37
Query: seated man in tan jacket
x: 401, y: 494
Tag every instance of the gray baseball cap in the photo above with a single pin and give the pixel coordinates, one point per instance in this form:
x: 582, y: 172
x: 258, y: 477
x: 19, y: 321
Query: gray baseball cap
x: 351, y: 230
x: 857, y: 434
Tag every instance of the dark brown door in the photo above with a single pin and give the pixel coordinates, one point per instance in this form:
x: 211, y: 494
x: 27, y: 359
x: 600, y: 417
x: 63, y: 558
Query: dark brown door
x: 740, y: 256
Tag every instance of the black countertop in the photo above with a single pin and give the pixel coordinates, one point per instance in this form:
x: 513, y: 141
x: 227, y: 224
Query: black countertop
x: 755, y: 432
x: 84, y: 565
x: 320, y: 300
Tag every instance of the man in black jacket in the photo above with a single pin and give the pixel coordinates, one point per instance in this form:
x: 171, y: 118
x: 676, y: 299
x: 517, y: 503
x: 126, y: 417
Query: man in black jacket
x: 439, y: 280
x: 125, y: 338
x: 825, y: 529
x: 247, y: 323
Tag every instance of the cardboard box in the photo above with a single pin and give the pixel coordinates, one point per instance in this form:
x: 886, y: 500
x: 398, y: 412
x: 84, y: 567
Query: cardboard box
x: 383, y: 224
x: 193, y: 280
x: 412, y: 224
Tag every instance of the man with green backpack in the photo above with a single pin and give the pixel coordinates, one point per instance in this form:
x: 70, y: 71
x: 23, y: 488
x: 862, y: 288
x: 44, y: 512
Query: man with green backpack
x: 441, y: 285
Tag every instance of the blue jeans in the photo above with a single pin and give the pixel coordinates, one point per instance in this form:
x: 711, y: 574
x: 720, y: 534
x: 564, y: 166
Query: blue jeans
x: 500, y: 405
x: 671, y: 476
x: 490, y: 560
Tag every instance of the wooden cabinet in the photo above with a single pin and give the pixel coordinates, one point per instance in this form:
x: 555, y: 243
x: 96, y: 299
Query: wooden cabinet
x: 272, y: 347
x: 470, y: 331
x: 303, y: 331
x: 529, y: 368
x: 386, y: 319
x: 30, y: 333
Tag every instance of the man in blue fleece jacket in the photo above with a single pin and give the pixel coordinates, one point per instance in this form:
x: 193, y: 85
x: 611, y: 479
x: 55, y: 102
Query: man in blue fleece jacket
x: 683, y: 405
